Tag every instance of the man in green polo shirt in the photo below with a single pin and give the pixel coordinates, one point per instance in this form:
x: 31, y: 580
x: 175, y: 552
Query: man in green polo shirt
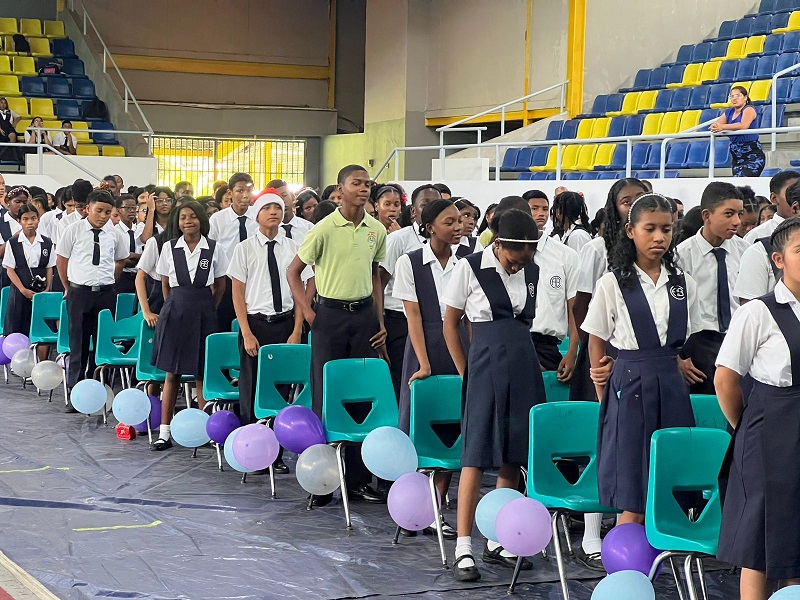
x: 347, y: 320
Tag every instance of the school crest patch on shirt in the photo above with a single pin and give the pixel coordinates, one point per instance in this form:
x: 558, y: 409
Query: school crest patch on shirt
x: 531, y: 290
x: 204, y: 264
x: 677, y: 292
x: 372, y: 239
x: 45, y: 251
x: 555, y: 282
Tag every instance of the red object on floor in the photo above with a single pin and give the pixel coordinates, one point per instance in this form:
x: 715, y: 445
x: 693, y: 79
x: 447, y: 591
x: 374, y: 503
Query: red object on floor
x: 124, y: 432
x: 4, y: 595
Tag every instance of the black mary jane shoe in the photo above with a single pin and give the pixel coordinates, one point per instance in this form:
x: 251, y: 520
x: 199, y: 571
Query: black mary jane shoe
x: 69, y: 409
x: 320, y: 501
x: 408, y: 532
x: 466, y: 573
x: 448, y: 531
x: 591, y: 561
x: 367, y: 494
x: 494, y: 557
x: 280, y: 468
x: 160, y: 445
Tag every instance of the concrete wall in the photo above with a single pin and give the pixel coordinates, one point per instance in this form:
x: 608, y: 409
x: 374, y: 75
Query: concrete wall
x: 29, y: 9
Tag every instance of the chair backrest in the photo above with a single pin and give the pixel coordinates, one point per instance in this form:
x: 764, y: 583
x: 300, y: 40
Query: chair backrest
x: 726, y: 30
x: 5, y: 293
x: 676, y: 74
x: 62, y: 342
x: 222, y: 356
x: 629, y: 102
x: 707, y: 412
x: 605, y: 153
x: 614, y: 102
x: 617, y: 127
x: 766, y: 66
x: 664, y: 100
x: 684, y: 459
x: 554, y: 390
x: 599, y: 104
x: 46, y: 307
x: 282, y: 364
x: 145, y: 371
x: 647, y: 100
x: 569, y: 130
x: 436, y: 401
x: 126, y: 304
x: 642, y: 79
x: 773, y: 44
x: 634, y: 125
x: 554, y: 130
x: 719, y: 49
x: 357, y: 380
x: 585, y: 128
x: 685, y: 53
x: 689, y: 119
x: 509, y: 158
x: 109, y: 332
x: 701, y: 52
x: 680, y: 98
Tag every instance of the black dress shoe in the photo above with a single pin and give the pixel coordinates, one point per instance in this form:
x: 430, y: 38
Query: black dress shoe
x: 320, y: 501
x: 280, y: 467
x: 70, y: 409
x: 494, y: 557
x: 160, y: 445
x: 591, y: 561
x: 466, y: 573
x: 367, y: 494
x: 448, y: 531
x: 407, y: 533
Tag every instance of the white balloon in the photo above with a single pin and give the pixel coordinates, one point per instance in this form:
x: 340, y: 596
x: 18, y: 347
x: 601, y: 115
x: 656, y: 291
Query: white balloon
x: 317, y: 470
x: 22, y: 363
x: 47, y: 375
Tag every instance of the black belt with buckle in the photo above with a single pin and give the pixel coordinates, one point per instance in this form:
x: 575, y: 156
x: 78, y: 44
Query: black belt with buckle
x: 278, y: 318
x: 354, y: 306
x: 94, y: 288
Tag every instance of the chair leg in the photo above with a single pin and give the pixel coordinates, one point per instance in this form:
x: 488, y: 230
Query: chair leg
x: 689, y: 576
x: 559, y: 558
x: 701, y: 570
x: 272, y: 481
x: 396, y: 539
x: 5, y: 373
x: 677, y: 575
x: 102, y: 380
x: 343, y: 484
x: 515, y: 576
x: 244, y: 477
x: 219, y: 457
x: 565, y: 526
x: 438, y: 519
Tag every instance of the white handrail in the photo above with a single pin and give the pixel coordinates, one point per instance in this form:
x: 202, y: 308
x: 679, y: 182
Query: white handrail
x: 663, y: 160
x: 774, y: 99
x: 40, y: 148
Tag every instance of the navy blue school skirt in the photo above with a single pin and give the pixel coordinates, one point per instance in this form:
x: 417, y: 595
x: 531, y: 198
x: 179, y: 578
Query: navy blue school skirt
x: 18, y: 313
x: 760, y: 483
x: 184, y: 323
x: 502, y: 383
x: 646, y: 392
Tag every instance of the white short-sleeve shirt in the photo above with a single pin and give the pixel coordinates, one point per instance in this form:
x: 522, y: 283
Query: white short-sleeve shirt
x: 77, y: 244
x: 166, y: 265
x: 48, y: 222
x: 757, y: 278
x: 61, y: 226
x: 298, y: 230
x: 398, y: 243
x: 13, y: 224
x: 465, y: 242
x: 576, y: 238
x: 764, y: 230
x: 559, y: 268
x: 405, y: 288
x: 137, y: 241
x: 755, y: 345
x: 594, y: 264
x: 608, y: 317
x: 224, y: 228
x: 33, y: 253
x: 148, y: 261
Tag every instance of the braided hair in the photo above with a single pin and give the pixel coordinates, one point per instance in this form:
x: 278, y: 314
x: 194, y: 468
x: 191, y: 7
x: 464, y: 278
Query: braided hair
x: 570, y: 208
x: 613, y: 220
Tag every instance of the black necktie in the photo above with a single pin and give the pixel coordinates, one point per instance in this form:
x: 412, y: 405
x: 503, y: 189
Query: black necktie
x: 96, y: 249
x: 242, y: 228
x: 59, y: 215
x: 723, y: 294
x: 288, y: 228
x: 132, y: 238
x: 274, y: 278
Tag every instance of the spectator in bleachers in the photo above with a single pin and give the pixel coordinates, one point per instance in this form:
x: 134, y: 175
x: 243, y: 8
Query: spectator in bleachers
x: 32, y: 136
x: 183, y: 188
x: 8, y: 122
x: 747, y: 156
x: 333, y: 194
x: 65, y: 141
x: 222, y: 196
x: 305, y: 204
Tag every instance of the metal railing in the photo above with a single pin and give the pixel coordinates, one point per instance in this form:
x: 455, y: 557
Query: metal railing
x: 774, y: 99
x: 40, y: 150
x: 663, y: 164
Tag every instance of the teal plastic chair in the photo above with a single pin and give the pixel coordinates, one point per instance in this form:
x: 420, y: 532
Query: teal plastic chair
x: 45, y: 306
x: 564, y: 345
x: 282, y: 364
x: 4, y: 295
x: 707, y: 412
x: 145, y: 371
x: 126, y: 305
x: 435, y: 401
x: 117, y: 343
x: 349, y: 381
x: 563, y: 430
x: 685, y: 459
x: 222, y: 354
x: 62, y: 344
x: 555, y: 391
x: 235, y: 326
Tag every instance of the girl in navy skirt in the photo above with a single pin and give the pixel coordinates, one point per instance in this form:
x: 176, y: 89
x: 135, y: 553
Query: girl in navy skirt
x: 496, y: 290
x: 646, y: 308
x: 192, y: 277
x: 760, y: 478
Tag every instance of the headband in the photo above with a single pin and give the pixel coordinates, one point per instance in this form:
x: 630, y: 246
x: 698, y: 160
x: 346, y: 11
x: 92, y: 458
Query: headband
x: 499, y: 239
x: 656, y: 194
x: 16, y: 191
x: 384, y: 189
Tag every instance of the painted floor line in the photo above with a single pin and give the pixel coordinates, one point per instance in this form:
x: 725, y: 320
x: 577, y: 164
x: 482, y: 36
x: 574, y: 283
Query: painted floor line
x: 111, y: 527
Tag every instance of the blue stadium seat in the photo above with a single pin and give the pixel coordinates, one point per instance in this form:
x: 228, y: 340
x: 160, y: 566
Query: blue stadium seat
x: 63, y: 48
x: 701, y: 53
x: 550, y: 176
x: 783, y: 89
x: 509, y: 158
x: 571, y: 176
x: 611, y: 175
x: 617, y: 126
x: 685, y: 54
x: 698, y: 98
x: 83, y: 88
x: 766, y: 6
x: 727, y: 71
x: 779, y: 21
x: 791, y: 41
x: 719, y: 49
x: 554, y: 130
x: 598, y: 107
x: 726, y: 30
x: 524, y: 158
x: 663, y: 101
x: 722, y: 153
x: 590, y: 175
x: 707, y: 115
x: 639, y: 155
x: 640, y: 82
x: 765, y: 116
x: 773, y: 44
x: 570, y: 130
x: 766, y: 67
x: 32, y: 86
x: 675, y: 75
x: 770, y: 172
x: 617, y: 159
x: 58, y: 87
x: 786, y: 60
x: 634, y: 125
x: 69, y: 109
x: 785, y: 5
x: 536, y: 158
x: 762, y: 25
x: 614, y: 102
x: 747, y: 69
x: 671, y: 174
x: 74, y: 67
x: 794, y: 94
x: 526, y: 176
x: 743, y: 27
x: 676, y: 154
x: 658, y: 78
x: 697, y: 157
x: 719, y: 93
x: 653, y: 156
x: 680, y: 99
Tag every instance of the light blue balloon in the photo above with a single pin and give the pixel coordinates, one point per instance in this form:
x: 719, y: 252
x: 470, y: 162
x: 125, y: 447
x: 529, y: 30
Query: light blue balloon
x: 228, y: 452
x: 188, y: 428
x: 624, y: 585
x: 389, y: 453
x: 791, y: 592
x: 131, y: 406
x: 88, y: 396
x: 489, y: 506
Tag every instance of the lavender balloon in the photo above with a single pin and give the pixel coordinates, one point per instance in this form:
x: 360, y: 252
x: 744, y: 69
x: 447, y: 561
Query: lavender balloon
x: 523, y: 527
x: 4, y: 360
x: 14, y: 343
x: 626, y: 548
x: 298, y: 428
x: 255, y: 447
x: 221, y: 424
x: 410, y: 503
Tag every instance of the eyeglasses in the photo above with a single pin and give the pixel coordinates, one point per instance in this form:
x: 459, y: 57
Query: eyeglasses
x: 129, y: 208
x: 163, y: 200
x: 735, y: 96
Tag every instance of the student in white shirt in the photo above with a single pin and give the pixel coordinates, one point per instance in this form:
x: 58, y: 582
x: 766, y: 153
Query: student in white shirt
x: 293, y: 226
x: 192, y: 270
x: 65, y: 141
x: 91, y: 255
x: 159, y: 205
x: 469, y: 219
x: 80, y: 193
x: 760, y: 529
x: 712, y: 257
x: 571, y: 221
x: 398, y: 243
x: 16, y: 198
x: 777, y: 196
x: 126, y: 206
x: 8, y: 122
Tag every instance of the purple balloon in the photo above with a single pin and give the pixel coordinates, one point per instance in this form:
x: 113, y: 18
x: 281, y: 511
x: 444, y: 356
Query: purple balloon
x: 255, y: 447
x: 523, y: 527
x: 14, y: 343
x: 221, y: 424
x: 410, y: 503
x: 4, y: 360
x: 155, y: 415
x: 298, y: 428
x: 626, y: 548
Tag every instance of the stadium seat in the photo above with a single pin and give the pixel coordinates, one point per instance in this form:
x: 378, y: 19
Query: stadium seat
x: 585, y: 128
x: 792, y: 25
x: 5, y: 65
x: 509, y: 158
x: 718, y: 50
x: 113, y: 151
x: 685, y: 53
x: 628, y: 105
x: 766, y: 7
x: 9, y: 85
x: 19, y: 106
x: 600, y: 127
x: 778, y: 21
x: 765, y: 119
x: 32, y: 86
x: 598, y: 107
x: 58, y: 87
x: 64, y: 48
x: 639, y: 155
x: 736, y: 50
x: 634, y: 125
x: 30, y: 27
x: 646, y: 175
x: 697, y: 157
x: 103, y: 138
x: 54, y: 29
x: 726, y: 30
x: 571, y: 176
x: 727, y: 71
x: 676, y: 154
x: 663, y: 101
x: 701, y: 52
x: 710, y: 72
x: 647, y: 100
x: 8, y: 45
x: 680, y: 99
x: 42, y: 107
x: 658, y: 78
x: 783, y: 89
x: 785, y: 5
x: 762, y: 25
x: 747, y: 68
x: 689, y: 119
x: 70, y: 109
x: 755, y: 44
x: 794, y: 95
x: 23, y: 65
x: 791, y: 42
x: 569, y: 157
x: 83, y: 89
x: 699, y: 97
x: 709, y: 114
x: 590, y: 175
x: 640, y: 82
x: 40, y: 47
x: 611, y: 175
x: 617, y: 127
x: 786, y: 60
x: 675, y: 76
x: 8, y: 26
x: 718, y: 95
x: 526, y: 176
x: 569, y: 131
x: 691, y: 76
x: 586, y: 156
x: 744, y: 27
x: 604, y: 155
x: 554, y: 130
x: 773, y: 44
x: 525, y: 159
x: 549, y: 164
x: 80, y: 129
x: 653, y: 156
x: 770, y: 172
x: 652, y: 123
x: 73, y: 67
x: 760, y: 91
x: 87, y: 150
x: 722, y: 154
x: 670, y: 123
x: 614, y: 102
x: 766, y: 66
x: 617, y: 159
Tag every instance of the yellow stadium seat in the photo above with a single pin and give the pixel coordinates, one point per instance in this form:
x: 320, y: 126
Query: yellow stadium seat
x: 689, y: 119
x: 569, y: 157
x: 671, y: 122
x: 736, y: 50
x: 691, y: 76
x: 23, y: 65
x: 8, y: 25
x: 50, y: 124
x: 87, y: 150
x: 550, y: 165
x: 42, y: 107
x: 8, y: 45
x: 605, y: 154
x: 759, y: 91
x: 601, y: 126
x: 793, y: 25
x: 113, y: 151
x: 710, y: 71
x: 19, y: 106
x: 647, y: 100
x: 586, y: 157
x: 585, y: 129
x: 40, y: 47
x: 628, y: 105
x: 755, y: 44
x: 80, y: 129
x: 5, y: 65
x: 30, y: 27
x: 9, y: 85
x: 652, y: 123
x: 745, y: 84
x: 54, y: 29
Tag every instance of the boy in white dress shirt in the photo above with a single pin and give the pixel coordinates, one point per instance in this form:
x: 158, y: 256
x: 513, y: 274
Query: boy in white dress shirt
x: 777, y: 196
x: 294, y: 227
x: 126, y: 206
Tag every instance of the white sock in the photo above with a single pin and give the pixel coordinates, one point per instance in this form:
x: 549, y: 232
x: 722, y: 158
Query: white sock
x: 494, y: 546
x: 464, y: 546
x: 591, y: 535
x: 163, y: 432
